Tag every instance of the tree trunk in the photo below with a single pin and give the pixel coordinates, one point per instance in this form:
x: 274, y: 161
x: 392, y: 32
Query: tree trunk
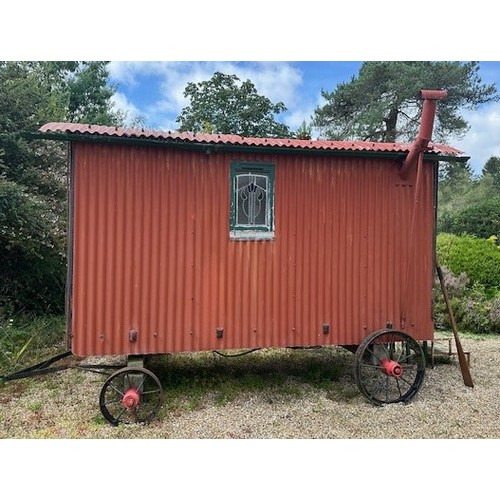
x: 390, y: 125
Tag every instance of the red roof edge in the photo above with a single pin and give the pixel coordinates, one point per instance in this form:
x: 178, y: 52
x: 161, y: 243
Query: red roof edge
x: 236, y: 140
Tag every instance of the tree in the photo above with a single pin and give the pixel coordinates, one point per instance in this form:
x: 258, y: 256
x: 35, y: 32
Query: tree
x: 481, y: 219
x: 491, y: 171
x: 225, y: 105
x: 33, y: 174
x: 382, y: 104
x: 90, y: 95
x: 32, y: 242
x: 32, y: 93
x: 457, y: 189
x: 304, y: 131
x: 468, y: 204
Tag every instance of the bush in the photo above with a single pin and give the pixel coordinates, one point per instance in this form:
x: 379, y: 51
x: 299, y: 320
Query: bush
x: 473, y: 311
x: 473, y: 307
x: 478, y: 259
x: 471, y: 270
x: 32, y: 241
x: 494, y: 314
x: 481, y: 219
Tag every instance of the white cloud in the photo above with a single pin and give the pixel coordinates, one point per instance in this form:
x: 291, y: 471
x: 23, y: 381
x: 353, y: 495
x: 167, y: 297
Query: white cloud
x: 295, y: 118
x: 277, y: 81
x: 483, y: 139
x: 121, y: 103
x: 154, y: 90
x: 129, y: 72
x: 122, y: 72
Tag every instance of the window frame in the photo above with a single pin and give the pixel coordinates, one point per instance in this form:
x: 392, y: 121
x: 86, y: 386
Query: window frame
x: 251, y: 232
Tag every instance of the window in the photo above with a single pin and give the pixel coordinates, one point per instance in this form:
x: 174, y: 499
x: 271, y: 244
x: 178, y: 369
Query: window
x: 252, y: 201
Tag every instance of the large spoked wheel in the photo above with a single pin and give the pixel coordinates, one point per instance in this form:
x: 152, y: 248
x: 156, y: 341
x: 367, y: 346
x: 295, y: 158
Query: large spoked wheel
x: 389, y: 367
x: 131, y: 396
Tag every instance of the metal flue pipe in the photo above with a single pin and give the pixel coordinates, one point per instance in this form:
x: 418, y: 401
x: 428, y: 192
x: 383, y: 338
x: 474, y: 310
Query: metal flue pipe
x: 430, y: 98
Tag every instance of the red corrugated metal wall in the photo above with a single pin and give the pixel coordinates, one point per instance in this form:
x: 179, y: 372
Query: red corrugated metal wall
x: 152, y: 253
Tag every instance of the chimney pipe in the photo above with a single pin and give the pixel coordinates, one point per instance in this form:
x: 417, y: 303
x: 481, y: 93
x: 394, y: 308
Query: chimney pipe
x: 430, y: 98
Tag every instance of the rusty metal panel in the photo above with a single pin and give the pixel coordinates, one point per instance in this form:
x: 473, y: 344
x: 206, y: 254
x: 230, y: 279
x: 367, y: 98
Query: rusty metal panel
x: 80, y: 129
x: 152, y: 257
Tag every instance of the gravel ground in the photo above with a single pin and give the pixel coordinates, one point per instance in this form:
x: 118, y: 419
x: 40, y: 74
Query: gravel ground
x: 64, y: 405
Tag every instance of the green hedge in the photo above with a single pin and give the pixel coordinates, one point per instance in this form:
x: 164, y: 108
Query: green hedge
x: 481, y: 219
x: 471, y: 267
x: 474, y: 309
x: 478, y: 258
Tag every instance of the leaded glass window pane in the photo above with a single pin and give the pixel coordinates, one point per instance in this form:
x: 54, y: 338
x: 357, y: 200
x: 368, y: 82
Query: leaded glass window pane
x: 252, y: 200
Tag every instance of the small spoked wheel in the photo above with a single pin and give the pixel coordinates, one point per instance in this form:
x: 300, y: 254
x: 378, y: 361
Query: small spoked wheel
x: 131, y: 396
x: 389, y: 367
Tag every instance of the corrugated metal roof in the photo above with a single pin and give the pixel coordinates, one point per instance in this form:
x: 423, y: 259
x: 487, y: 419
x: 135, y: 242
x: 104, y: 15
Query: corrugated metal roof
x: 236, y: 140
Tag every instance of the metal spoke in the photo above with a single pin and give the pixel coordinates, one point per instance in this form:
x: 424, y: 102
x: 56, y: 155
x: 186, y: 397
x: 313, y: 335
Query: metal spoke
x: 116, y: 390
x: 141, y: 384
x: 376, y: 367
x: 393, y: 344
x: 117, y: 418
x: 399, y: 388
x: 381, y: 387
x: 400, y: 354
x: 369, y: 351
x: 404, y: 380
x: 385, y: 349
x: 114, y: 410
x: 114, y: 401
x: 153, y: 391
x: 408, y: 356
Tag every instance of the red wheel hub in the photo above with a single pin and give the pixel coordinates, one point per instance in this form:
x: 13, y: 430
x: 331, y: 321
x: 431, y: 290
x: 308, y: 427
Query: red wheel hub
x: 131, y: 398
x: 392, y: 368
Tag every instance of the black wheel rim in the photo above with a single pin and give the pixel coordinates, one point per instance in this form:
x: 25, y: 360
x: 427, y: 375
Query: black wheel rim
x: 373, y: 379
x: 113, y: 391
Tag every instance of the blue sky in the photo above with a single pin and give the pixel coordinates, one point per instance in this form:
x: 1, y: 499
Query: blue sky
x: 154, y: 91
x: 327, y: 36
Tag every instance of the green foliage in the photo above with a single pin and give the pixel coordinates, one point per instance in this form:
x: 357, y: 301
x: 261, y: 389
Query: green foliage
x: 304, y: 131
x: 491, y: 172
x: 461, y: 195
x: 33, y: 174
x: 456, y: 188
x: 382, y: 104
x: 89, y: 95
x: 25, y: 341
x: 189, y: 379
x: 482, y: 219
x: 225, y: 105
x: 32, y: 253
x: 478, y: 258
x: 471, y: 267
x: 475, y: 307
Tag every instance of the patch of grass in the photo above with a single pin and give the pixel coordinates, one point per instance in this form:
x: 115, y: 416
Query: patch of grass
x: 343, y: 393
x: 464, y: 334
x: 13, y: 389
x: 190, y: 379
x: 25, y: 341
x: 293, y: 391
x: 35, y: 406
x: 99, y: 420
